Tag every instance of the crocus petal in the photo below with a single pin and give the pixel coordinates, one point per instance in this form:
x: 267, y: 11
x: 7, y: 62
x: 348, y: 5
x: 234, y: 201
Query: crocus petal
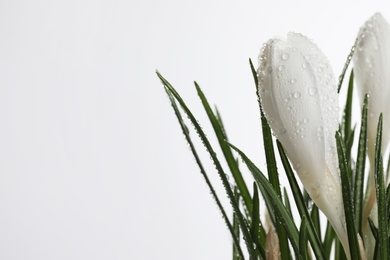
x: 299, y: 98
x: 272, y: 245
x: 371, y: 62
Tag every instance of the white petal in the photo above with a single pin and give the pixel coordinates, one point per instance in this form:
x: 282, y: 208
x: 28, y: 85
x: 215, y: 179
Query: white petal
x: 372, y: 73
x: 299, y: 97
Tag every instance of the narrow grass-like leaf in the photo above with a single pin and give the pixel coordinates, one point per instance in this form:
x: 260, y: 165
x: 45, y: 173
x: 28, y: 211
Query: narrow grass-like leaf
x: 388, y: 202
x: 349, y: 58
x: 256, y: 221
x: 303, y: 240
x: 374, y: 231
x: 373, y: 228
x: 307, y: 198
x: 347, y: 117
x: 347, y: 199
x: 255, y: 214
x: 280, y: 211
x: 348, y: 147
x: 388, y: 170
x: 272, y: 170
x: 328, y: 239
x: 381, y: 195
x: 301, y: 204
x: 287, y: 202
x: 236, y: 228
x: 360, y: 168
x: 339, y: 251
x: 315, y: 216
x: 221, y: 136
x: 220, y: 171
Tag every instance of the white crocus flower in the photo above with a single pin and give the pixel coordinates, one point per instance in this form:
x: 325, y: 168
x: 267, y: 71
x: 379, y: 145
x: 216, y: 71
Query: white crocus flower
x: 372, y: 73
x: 299, y: 98
x: 371, y: 62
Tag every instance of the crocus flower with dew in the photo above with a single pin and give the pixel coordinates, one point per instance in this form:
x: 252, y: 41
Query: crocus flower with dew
x: 299, y: 98
x: 371, y: 62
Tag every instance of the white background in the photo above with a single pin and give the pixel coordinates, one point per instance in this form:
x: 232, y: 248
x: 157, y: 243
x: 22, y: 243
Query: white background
x: 93, y: 164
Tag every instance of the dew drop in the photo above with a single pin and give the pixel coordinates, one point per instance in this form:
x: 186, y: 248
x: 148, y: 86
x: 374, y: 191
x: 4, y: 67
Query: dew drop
x: 285, y: 56
x: 297, y: 95
x: 310, y: 205
x: 313, y: 91
x: 282, y: 131
x: 281, y: 67
x: 305, y: 65
x: 305, y: 121
x: 315, y: 193
x: 292, y: 81
x: 269, y: 70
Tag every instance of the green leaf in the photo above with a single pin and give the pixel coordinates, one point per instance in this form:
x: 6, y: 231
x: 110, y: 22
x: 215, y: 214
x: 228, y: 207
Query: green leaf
x: 373, y: 228
x: 256, y: 221
x: 328, y: 239
x: 303, y: 240
x: 221, y: 135
x: 360, y: 168
x: 347, y: 117
x: 236, y: 228
x: 221, y: 173
x: 374, y: 231
x: 388, y: 202
x: 301, y: 205
x: 287, y: 202
x: 381, y: 195
x: 277, y: 205
x: 339, y: 251
x: 347, y: 199
x: 349, y: 58
x: 315, y: 216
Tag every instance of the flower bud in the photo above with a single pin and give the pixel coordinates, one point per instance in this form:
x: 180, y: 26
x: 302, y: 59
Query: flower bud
x: 371, y: 62
x: 299, y: 99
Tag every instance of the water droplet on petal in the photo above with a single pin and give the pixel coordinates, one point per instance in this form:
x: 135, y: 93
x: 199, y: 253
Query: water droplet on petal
x: 313, y: 91
x: 292, y: 81
x: 305, y: 65
x: 285, y: 56
x: 297, y: 95
x: 281, y: 67
x: 315, y: 193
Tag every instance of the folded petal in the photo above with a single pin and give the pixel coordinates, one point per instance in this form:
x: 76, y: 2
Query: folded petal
x: 371, y: 62
x: 299, y: 98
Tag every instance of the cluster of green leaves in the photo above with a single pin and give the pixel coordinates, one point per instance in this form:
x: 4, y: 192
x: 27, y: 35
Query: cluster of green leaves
x: 294, y: 239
